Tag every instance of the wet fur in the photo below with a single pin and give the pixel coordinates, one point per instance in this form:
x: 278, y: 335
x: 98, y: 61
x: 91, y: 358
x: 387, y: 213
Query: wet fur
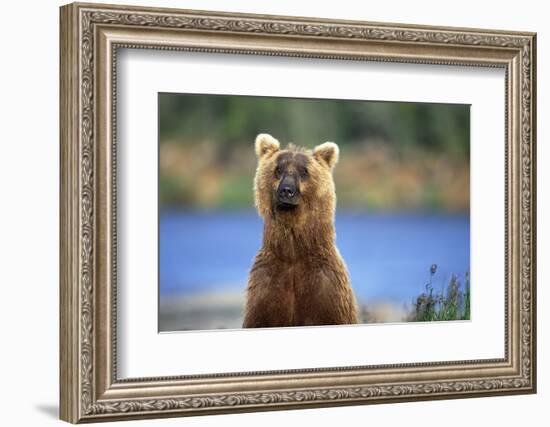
x: 298, y: 277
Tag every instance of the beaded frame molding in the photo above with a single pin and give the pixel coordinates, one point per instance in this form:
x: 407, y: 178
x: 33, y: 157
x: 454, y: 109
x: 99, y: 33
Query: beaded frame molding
x: 89, y: 39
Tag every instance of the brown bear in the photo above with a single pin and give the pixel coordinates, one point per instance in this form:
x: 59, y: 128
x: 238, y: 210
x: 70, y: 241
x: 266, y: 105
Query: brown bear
x: 298, y: 277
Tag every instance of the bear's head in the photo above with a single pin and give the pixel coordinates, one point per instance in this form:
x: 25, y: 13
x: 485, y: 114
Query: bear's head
x: 294, y: 184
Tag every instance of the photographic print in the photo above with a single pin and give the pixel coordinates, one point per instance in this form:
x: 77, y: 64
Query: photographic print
x: 286, y: 212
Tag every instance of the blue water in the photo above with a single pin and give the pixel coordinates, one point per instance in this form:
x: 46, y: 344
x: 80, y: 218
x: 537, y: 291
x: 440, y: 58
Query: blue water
x: 388, y: 255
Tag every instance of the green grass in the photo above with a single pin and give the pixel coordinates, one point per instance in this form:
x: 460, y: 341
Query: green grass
x: 451, y: 303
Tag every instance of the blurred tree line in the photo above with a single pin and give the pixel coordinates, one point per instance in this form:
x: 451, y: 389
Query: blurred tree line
x: 208, y: 135
x: 238, y: 119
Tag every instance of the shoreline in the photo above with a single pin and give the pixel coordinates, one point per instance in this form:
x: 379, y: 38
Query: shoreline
x: 224, y: 310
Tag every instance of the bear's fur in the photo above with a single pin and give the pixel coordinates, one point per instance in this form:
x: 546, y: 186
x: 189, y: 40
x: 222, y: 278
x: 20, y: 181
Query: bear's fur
x: 298, y: 277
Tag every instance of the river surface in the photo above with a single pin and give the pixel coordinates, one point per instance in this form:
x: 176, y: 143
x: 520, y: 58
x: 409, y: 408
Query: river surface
x: 388, y: 255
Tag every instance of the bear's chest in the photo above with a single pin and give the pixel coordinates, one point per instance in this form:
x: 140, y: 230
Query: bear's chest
x: 298, y: 278
x: 302, y: 290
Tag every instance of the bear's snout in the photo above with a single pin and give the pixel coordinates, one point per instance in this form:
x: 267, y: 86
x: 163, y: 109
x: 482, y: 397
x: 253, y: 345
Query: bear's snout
x: 287, y: 192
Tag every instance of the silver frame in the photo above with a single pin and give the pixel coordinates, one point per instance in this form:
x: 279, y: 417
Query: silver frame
x: 90, y: 37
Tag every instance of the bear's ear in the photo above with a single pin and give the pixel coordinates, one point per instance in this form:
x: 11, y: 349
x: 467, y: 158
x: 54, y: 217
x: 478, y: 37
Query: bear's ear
x: 327, y: 154
x: 266, y: 144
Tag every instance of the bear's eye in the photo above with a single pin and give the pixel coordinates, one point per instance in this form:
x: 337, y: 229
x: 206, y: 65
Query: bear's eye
x: 303, y: 172
x: 278, y: 171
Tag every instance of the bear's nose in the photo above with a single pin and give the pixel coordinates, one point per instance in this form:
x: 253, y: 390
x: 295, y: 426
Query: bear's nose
x: 286, y: 192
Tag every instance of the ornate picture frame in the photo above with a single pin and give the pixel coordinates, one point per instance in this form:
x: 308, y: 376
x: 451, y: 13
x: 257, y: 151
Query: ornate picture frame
x: 90, y: 37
